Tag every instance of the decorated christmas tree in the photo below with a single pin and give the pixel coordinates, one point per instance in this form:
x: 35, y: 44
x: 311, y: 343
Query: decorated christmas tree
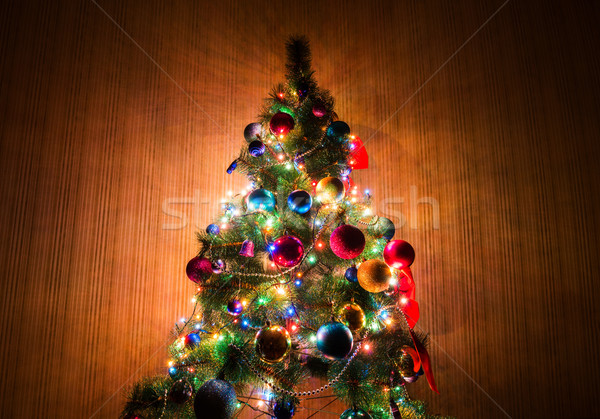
x: 295, y: 279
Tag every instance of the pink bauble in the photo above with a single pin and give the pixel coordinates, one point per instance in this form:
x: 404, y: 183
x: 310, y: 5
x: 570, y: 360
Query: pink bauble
x: 319, y: 110
x: 347, y: 242
x: 287, y: 251
x: 399, y: 254
x: 281, y: 123
x: 199, y: 269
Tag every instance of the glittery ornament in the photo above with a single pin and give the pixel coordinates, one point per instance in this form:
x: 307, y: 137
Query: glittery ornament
x: 181, y: 391
x: 281, y: 123
x: 384, y: 227
x: 351, y: 274
x: 247, y: 249
x: 334, y: 340
x: 299, y: 201
x: 272, y: 344
x: 253, y: 132
x: 355, y: 414
x: 330, y: 190
x: 374, y: 275
x: 319, y: 110
x: 284, y: 409
x: 213, y: 229
x: 353, y: 316
x: 287, y: 251
x: 260, y: 199
x: 235, y: 307
x: 198, y: 269
x: 347, y: 242
x: 218, y: 266
x: 337, y: 130
x: 256, y: 148
x: 399, y: 254
x: 215, y: 399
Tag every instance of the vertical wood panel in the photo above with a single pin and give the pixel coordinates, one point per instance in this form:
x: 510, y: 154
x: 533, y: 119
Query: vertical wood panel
x: 95, y: 137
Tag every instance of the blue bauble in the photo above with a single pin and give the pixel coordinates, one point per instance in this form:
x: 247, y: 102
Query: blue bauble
x: 256, y: 148
x: 351, y: 274
x: 260, y: 199
x: 232, y: 167
x: 174, y: 372
x: 299, y: 201
x: 337, y: 130
x: 385, y: 228
x: 213, y: 229
x: 284, y: 409
x: 334, y: 340
x: 215, y: 399
x: 355, y: 414
x: 192, y: 340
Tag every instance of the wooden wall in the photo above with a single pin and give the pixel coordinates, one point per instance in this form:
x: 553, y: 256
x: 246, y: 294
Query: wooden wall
x: 111, y: 110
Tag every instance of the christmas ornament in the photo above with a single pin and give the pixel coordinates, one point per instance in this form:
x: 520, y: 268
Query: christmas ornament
x: 253, y: 132
x: 347, y: 242
x: 353, y: 316
x: 399, y: 254
x: 337, y: 130
x: 355, y: 414
x: 281, y: 123
x: 232, y: 167
x: 299, y: 201
x: 384, y: 227
x: 180, y: 392
x: 359, y: 158
x: 235, y: 307
x: 330, y: 190
x: 351, y: 274
x: 260, y: 199
x: 215, y: 399
x: 302, y: 89
x: 334, y: 340
x: 319, y: 110
x: 174, y: 372
x: 247, y: 249
x: 213, y: 229
x: 256, y: 148
x: 198, y: 269
x: 272, y: 344
x: 287, y: 251
x: 192, y: 340
x: 284, y: 409
x: 218, y: 266
x: 374, y: 275
x: 299, y: 161
x: 407, y: 365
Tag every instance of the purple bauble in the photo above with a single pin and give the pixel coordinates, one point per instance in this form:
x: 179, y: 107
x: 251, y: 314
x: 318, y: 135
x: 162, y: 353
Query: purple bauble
x: 281, y: 123
x: 398, y: 254
x: 347, y: 242
x: 319, y: 110
x: 235, y: 307
x: 253, y: 132
x: 288, y: 251
x: 199, y: 269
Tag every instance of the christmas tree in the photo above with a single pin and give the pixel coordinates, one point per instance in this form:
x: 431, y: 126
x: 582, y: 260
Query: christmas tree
x: 296, y: 279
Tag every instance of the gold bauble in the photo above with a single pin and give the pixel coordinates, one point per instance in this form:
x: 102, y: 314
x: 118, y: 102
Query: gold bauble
x: 330, y: 190
x: 272, y: 344
x: 353, y: 316
x: 374, y: 275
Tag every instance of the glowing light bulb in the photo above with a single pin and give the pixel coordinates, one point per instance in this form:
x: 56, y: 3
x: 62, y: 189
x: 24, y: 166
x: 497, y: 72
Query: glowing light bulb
x: 404, y: 300
x: 229, y: 193
x: 294, y: 328
x: 280, y: 290
x: 367, y: 347
x: 280, y: 156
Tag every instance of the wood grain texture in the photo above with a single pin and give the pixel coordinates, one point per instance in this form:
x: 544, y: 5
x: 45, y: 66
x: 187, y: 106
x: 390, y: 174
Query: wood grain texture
x: 96, y: 136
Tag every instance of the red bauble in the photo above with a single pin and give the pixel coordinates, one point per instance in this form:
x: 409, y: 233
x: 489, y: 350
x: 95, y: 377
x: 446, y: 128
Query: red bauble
x: 347, y: 242
x: 281, y: 123
x: 199, y: 269
x: 288, y: 251
x: 399, y: 254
